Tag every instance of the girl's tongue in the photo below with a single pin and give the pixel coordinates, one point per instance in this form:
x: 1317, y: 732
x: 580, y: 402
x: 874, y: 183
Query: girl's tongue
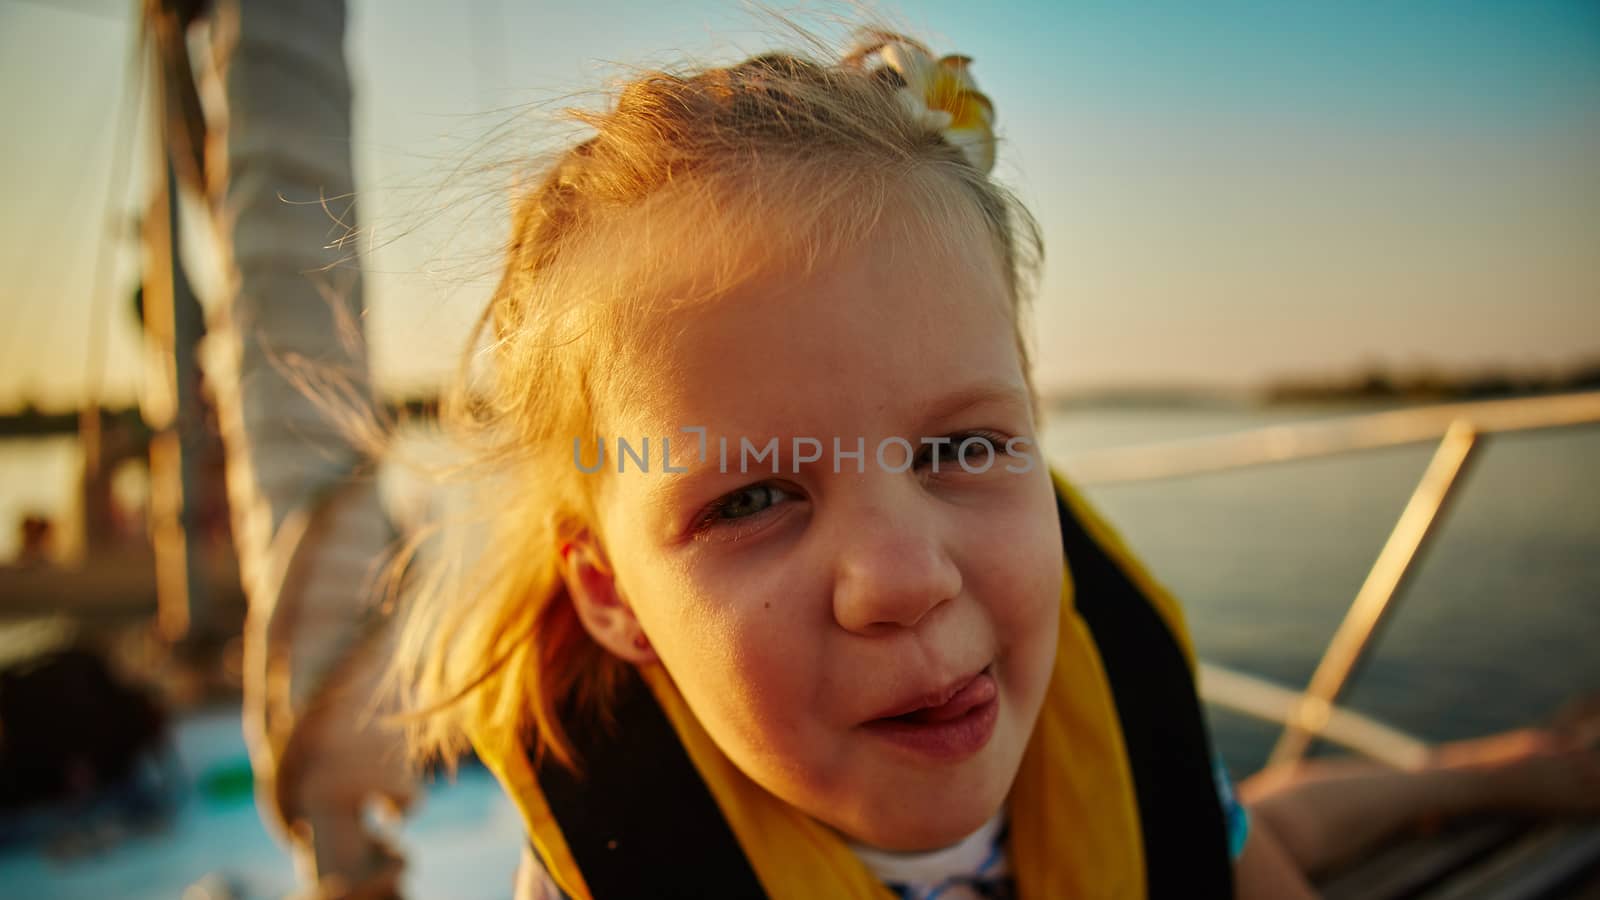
x: 977, y: 692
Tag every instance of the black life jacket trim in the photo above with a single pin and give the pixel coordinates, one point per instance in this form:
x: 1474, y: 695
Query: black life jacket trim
x: 641, y: 822
x: 1163, y: 726
x: 626, y: 821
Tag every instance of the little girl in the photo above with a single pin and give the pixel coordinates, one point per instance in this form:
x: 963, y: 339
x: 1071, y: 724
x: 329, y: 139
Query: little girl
x: 780, y: 598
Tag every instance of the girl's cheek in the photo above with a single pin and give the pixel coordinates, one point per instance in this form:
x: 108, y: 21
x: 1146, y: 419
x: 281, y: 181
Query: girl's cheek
x: 1034, y: 589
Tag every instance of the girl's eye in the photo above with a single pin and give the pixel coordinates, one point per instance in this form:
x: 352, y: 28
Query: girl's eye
x: 978, y: 449
x: 742, y: 504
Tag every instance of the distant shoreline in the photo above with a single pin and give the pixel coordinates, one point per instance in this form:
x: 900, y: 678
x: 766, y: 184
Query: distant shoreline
x: 1363, y: 388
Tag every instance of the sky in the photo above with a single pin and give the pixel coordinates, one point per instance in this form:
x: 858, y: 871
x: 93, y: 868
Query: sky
x: 1229, y: 191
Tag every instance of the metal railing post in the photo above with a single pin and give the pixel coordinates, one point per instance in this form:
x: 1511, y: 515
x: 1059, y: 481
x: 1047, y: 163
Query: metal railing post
x: 1378, y: 594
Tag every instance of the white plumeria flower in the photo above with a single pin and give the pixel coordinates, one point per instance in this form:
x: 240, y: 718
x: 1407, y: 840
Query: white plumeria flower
x: 941, y: 94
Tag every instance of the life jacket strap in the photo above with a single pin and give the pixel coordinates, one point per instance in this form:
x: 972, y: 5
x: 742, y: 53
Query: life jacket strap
x: 641, y: 822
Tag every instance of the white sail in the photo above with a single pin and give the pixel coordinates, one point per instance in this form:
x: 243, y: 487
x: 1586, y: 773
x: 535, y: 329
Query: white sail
x: 310, y: 530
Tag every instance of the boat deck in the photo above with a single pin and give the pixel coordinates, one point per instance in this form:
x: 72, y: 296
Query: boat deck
x: 1480, y: 861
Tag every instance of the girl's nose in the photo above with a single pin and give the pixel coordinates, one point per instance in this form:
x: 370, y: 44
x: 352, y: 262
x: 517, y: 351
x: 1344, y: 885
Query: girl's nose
x: 893, y: 569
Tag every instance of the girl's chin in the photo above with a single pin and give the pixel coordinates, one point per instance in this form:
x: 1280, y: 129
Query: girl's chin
x: 936, y: 816
x: 929, y: 831
x: 927, y: 810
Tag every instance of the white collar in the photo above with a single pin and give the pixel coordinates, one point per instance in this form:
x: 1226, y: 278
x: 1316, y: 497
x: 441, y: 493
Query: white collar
x: 963, y: 858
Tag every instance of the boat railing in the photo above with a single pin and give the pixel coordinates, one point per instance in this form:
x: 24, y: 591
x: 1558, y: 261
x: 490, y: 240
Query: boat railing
x: 1312, y: 713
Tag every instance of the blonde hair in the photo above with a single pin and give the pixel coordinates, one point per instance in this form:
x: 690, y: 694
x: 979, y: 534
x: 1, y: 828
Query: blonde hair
x: 807, y: 155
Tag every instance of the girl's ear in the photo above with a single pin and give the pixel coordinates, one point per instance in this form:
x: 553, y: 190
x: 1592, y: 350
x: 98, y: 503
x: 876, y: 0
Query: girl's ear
x: 605, y: 614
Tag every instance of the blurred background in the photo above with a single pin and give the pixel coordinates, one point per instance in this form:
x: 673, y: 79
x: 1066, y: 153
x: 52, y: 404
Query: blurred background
x: 1256, y: 216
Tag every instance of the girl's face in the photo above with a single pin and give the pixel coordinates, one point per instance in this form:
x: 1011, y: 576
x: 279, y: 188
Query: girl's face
x: 871, y: 646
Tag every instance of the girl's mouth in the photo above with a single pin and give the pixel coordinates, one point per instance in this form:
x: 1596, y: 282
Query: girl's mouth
x: 949, y: 731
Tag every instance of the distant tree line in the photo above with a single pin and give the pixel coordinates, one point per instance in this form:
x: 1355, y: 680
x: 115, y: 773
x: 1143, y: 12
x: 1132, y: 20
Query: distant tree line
x: 1376, y: 383
x: 1380, y: 383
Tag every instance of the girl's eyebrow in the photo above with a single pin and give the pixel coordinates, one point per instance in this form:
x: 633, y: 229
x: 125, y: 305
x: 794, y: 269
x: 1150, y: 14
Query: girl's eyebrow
x: 980, y: 394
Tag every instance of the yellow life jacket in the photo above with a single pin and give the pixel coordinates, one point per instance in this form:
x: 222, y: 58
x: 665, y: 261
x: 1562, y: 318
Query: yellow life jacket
x: 1114, y: 797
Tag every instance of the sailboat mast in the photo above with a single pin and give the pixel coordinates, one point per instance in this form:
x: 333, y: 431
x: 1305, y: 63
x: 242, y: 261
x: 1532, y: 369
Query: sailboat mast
x: 174, y: 320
